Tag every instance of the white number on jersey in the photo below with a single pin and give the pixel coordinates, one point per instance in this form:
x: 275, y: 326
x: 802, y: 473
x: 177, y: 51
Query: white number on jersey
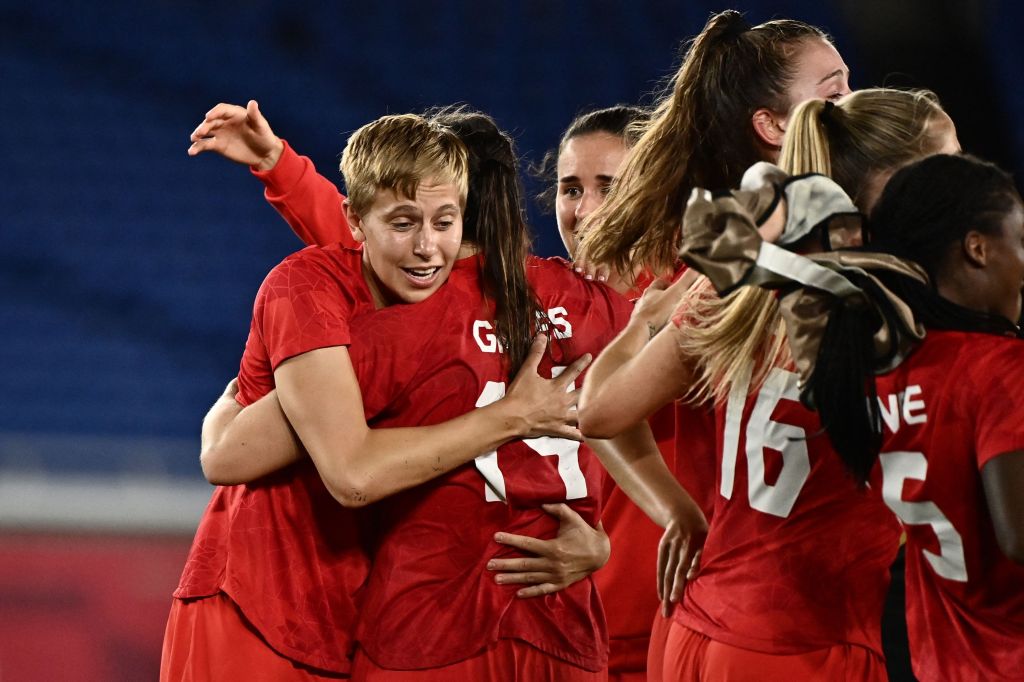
x: 778, y: 498
x: 567, y: 452
x: 899, y: 467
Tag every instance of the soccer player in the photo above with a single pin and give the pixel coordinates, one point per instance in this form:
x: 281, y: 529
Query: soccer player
x: 941, y: 434
x: 812, y: 597
x: 432, y: 545
x: 270, y: 586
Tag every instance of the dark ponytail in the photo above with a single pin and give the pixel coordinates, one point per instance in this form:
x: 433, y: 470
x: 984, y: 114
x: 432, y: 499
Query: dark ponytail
x: 926, y: 210
x: 494, y: 221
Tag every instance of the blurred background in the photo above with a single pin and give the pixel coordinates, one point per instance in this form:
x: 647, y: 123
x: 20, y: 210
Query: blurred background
x: 127, y: 269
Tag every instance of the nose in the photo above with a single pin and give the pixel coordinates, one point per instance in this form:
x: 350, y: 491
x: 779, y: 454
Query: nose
x: 587, y: 204
x: 425, y: 244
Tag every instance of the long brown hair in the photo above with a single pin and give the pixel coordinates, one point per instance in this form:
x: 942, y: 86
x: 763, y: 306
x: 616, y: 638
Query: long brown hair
x: 699, y: 136
x: 494, y: 222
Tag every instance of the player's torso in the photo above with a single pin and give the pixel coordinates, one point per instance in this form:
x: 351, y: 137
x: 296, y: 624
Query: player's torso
x: 436, y: 599
x: 797, y: 556
x: 965, y: 599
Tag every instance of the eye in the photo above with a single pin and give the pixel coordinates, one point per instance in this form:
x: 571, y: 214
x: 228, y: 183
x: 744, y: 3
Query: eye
x: 835, y: 97
x: 402, y: 225
x: 444, y: 224
x: 605, y: 189
x: 572, y: 191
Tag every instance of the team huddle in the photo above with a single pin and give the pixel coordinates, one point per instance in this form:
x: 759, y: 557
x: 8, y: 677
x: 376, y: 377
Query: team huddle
x: 785, y: 343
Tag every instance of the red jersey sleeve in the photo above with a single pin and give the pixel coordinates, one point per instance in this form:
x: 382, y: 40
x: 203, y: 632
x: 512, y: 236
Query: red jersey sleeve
x: 310, y: 203
x: 998, y: 401
x: 301, y: 306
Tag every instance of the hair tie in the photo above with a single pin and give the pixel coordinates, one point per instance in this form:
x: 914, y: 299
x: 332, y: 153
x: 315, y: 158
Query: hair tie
x: 826, y: 112
x: 736, y: 28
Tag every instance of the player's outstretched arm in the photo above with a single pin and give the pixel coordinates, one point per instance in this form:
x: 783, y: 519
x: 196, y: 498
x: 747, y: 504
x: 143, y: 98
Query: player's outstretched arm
x: 240, y: 445
x: 577, y: 551
x: 240, y: 134
x: 1003, y: 480
x: 359, y: 465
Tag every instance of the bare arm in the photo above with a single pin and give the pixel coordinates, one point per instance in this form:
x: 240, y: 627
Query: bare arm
x: 359, y: 465
x: 1003, y: 480
x: 636, y: 464
x: 240, y: 445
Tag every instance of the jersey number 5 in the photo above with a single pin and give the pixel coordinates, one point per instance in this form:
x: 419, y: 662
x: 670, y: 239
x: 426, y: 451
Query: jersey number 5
x: 899, y: 467
x: 567, y: 452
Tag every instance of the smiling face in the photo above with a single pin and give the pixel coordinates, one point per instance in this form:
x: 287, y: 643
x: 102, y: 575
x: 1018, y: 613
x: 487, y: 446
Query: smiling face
x: 409, y: 245
x: 587, y: 165
x: 1005, y: 266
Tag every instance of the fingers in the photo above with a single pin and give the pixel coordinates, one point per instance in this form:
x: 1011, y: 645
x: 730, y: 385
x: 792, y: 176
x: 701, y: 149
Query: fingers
x: 231, y: 390
x: 659, y: 284
x: 573, y: 371
x: 679, y: 576
x: 533, y: 358
x: 537, y: 590
x: 518, y: 565
x: 565, y: 514
x: 527, y: 578
x: 567, y: 432
x: 694, y: 565
x: 524, y: 543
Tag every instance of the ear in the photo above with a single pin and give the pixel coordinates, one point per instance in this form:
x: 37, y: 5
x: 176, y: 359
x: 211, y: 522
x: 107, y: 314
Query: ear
x: 768, y: 127
x: 976, y: 249
x: 355, y: 221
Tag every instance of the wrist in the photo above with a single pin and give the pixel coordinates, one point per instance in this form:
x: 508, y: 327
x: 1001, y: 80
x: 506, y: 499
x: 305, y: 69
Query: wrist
x: 272, y: 157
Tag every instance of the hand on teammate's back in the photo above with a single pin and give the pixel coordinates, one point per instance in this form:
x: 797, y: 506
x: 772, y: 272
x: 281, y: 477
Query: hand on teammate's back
x: 547, y: 407
x: 577, y: 551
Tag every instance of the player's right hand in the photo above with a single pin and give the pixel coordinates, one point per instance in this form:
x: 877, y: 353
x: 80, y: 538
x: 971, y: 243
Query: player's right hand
x: 240, y: 134
x: 679, y: 557
x: 545, y: 407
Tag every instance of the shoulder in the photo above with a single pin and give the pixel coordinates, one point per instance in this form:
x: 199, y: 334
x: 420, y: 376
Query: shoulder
x: 317, y: 265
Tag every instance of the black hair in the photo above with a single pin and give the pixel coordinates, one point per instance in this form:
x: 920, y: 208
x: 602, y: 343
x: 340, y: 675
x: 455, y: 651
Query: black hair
x: 925, y: 211
x: 494, y: 221
x: 620, y: 120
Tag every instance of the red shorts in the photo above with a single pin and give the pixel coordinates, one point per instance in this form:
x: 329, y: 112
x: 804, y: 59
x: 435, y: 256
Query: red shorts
x: 509, y: 660
x: 656, y: 653
x: 689, y: 655
x: 209, y: 639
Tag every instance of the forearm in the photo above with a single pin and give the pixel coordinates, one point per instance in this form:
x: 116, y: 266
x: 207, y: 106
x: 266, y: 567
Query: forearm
x: 242, y: 446
x: 376, y: 463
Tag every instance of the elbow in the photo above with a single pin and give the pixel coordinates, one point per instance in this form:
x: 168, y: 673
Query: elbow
x: 594, y: 424
x: 214, y: 474
x: 349, y: 491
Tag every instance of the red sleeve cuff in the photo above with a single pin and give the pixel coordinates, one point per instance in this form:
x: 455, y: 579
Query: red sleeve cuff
x: 285, y: 174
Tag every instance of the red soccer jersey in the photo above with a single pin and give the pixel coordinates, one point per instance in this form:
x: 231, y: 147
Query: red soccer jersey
x: 431, y: 598
x: 309, y: 202
x: 282, y: 548
x: 797, y: 556
x: 312, y: 207
x: 951, y: 407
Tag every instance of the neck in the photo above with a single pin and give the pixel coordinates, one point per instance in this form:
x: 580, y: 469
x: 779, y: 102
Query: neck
x: 376, y: 291
x: 467, y: 249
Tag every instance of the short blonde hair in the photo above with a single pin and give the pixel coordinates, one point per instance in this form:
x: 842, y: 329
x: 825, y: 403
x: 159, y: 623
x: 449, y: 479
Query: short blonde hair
x: 398, y: 152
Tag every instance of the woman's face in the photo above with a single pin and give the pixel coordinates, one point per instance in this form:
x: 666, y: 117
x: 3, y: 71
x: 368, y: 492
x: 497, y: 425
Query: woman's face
x: 819, y: 73
x: 1005, y: 267
x: 941, y: 132
x: 409, y: 245
x: 586, y: 167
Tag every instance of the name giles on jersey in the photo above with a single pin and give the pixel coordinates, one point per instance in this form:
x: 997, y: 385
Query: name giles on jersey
x: 556, y: 322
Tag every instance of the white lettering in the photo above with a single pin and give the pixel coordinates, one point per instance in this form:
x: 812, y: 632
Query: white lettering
x: 487, y: 341
x: 904, y: 404
x: 910, y: 405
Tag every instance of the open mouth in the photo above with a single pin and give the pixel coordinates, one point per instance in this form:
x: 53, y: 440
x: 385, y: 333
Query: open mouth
x: 422, y: 276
